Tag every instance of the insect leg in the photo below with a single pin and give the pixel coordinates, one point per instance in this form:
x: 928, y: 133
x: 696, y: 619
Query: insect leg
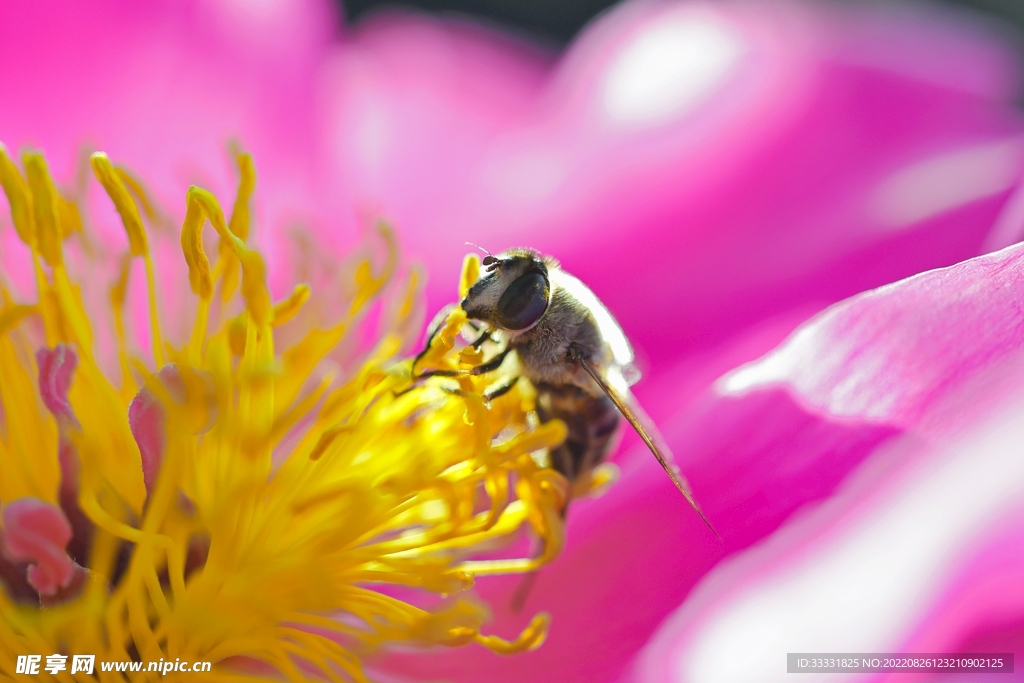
x: 491, y: 365
x: 482, y: 339
x: 482, y: 369
x: 435, y: 326
x: 434, y: 329
x: 522, y: 592
x: 502, y: 390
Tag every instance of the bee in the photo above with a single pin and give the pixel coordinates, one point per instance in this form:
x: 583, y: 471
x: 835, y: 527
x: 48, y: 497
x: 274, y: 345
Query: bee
x: 573, y: 352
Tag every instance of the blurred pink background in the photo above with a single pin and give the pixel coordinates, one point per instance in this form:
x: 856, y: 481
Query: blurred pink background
x: 719, y: 173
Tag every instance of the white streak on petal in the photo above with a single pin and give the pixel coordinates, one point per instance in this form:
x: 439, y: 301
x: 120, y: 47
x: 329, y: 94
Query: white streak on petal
x: 529, y: 175
x: 1009, y: 226
x: 670, y: 68
x: 259, y: 10
x: 864, y: 588
x: 778, y: 366
x: 803, y: 359
x: 372, y: 136
x: 947, y: 181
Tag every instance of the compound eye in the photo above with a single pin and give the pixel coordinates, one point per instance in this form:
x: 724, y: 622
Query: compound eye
x: 524, y: 302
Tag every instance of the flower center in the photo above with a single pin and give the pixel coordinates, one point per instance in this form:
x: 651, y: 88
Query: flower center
x: 226, y: 499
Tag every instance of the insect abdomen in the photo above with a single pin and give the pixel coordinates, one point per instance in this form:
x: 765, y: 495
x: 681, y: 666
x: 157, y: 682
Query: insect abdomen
x: 592, y: 422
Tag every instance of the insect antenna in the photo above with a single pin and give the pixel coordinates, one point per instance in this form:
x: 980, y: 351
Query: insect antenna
x: 633, y: 418
x: 490, y: 261
x: 480, y: 248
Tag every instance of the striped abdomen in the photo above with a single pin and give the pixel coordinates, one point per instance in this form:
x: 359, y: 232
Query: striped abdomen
x: 592, y: 422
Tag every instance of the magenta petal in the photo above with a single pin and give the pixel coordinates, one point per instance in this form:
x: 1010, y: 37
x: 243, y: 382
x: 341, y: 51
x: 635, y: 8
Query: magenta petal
x: 162, y: 87
x: 56, y: 368
x: 867, y: 387
x: 984, y: 593
x: 900, y: 354
x: 876, y: 385
x: 38, y: 532
x: 780, y: 189
x: 919, y: 553
x: 635, y: 553
x: 791, y: 204
x: 147, y: 417
x: 828, y: 151
x: 920, y: 549
x: 147, y: 421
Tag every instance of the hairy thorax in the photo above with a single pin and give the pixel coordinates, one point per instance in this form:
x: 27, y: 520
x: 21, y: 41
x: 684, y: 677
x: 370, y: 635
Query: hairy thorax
x: 544, y: 349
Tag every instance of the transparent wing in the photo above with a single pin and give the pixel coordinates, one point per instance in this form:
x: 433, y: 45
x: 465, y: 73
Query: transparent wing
x: 637, y: 417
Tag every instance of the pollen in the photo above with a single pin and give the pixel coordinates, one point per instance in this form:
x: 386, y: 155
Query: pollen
x: 232, y: 498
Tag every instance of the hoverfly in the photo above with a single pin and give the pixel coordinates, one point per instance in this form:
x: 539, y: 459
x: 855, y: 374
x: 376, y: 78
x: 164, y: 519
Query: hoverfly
x: 573, y: 352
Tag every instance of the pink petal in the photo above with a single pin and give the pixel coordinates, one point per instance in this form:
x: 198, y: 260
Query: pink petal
x: 765, y: 193
x: 38, y: 532
x: 809, y: 171
x: 700, y: 246
x: 162, y: 87
x: 636, y: 552
x: 147, y: 421
x: 56, y: 368
x: 769, y: 195
x: 920, y: 549
x: 147, y: 417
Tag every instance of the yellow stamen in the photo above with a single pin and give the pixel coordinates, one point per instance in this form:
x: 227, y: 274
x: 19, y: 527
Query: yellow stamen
x: 70, y: 218
x: 239, y: 223
x: 44, y: 207
x: 18, y: 197
x: 249, y: 500
x: 370, y: 284
x: 123, y: 202
x: 138, y: 190
x: 137, y: 243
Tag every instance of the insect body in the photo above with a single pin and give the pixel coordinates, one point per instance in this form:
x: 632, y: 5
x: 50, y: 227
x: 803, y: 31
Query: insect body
x: 571, y: 349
